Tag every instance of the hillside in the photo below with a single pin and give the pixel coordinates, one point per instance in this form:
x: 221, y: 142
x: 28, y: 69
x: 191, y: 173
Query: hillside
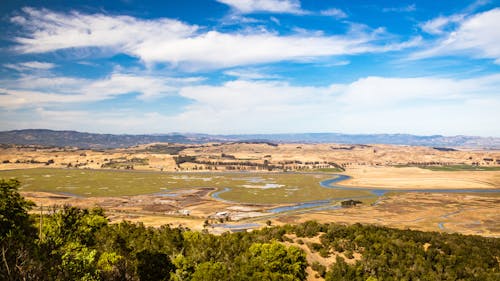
x: 90, y: 140
x: 87, y: 140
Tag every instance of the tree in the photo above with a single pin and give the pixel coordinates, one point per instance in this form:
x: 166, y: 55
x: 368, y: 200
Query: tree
x: 78, y: 262
x: 274, y: 261
x: 153, y: 266
x: 340, y: 270
x: 17, y: 233
x: 210, y: 271
x: 112, y: 266
x: 69, y: 238
x: 72, y: 224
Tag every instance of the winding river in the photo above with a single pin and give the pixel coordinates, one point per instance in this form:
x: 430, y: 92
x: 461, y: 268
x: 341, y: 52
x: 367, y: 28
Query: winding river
x: 333, y: 183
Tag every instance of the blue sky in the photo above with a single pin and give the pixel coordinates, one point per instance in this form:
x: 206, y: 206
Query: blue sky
x: 251, y: 66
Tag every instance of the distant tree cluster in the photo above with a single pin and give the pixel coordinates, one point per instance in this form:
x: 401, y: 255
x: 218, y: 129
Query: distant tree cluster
x: 80, y: 244
x: 231, y: 163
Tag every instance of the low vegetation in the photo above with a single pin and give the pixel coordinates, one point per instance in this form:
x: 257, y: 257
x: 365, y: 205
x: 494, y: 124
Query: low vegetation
x: 265, y: 188
x: 80, y: 244
x: 451, y: 168
x: 127, y: 164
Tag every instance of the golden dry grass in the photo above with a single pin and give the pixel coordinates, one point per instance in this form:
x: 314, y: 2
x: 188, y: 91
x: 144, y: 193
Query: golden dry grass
x: 417, y: 178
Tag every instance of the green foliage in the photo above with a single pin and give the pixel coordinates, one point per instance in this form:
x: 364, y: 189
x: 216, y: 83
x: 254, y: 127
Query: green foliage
x: 211, y: 271
x: 184, y: 268
x: 391, y: 254
x: 308, y: 229
x: 67, y: 245
x: 78, y: 262
x: 111, y: 266
x: 17, y: 234
x: 274, y: 261
x: 453, y: 168
x: 73, y: 225
x: 340, y: 271
x: 152, y: 266
x: 321, y: 269
x: 14, y: 218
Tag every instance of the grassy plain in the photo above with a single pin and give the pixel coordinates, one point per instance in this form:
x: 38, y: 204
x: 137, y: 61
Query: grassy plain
x: 453, y: 168
x: 263, y: 188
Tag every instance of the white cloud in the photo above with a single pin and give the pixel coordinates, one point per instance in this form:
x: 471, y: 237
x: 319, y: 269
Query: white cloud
x: 438, y: 25
x: 30, y: 65
x: 111, y: 121
x: 477, y: 4
x: 408, y: 8
x: 215, y: 49
x: 182, y: 45
x: 31, y: 91
x: 267, y: 6
x: 334, y: 12
x: 339, y: 63
x: 250, y: 74
x: 476, y: 36
x: 49, y: 31
x: 380, y: 91
x: 422, y: 105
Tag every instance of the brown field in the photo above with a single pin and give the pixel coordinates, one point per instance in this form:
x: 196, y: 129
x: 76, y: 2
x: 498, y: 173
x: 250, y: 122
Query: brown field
x: 376, y: 166
x: 417, y: 178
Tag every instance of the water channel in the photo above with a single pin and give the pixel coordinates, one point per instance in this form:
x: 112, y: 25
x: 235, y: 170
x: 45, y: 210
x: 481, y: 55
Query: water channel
x: 333, y: 183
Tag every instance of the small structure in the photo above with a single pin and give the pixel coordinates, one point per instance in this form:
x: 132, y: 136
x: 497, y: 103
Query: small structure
x: 350, y: 203
x: 223, y: 214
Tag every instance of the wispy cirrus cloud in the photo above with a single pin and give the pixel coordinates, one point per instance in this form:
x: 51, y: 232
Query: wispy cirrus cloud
x: 476, y: 36
x: 440, y: 24
x: 30, y: 65
x: 402, y: 9
x: 334, y: 12
x: 46, y: 31
x: 265, y: 6
x: 183, y: 45
x: 250, y: 74
x: 32, y: 91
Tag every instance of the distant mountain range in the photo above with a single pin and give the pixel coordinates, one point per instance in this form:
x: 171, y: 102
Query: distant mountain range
x: 100, y: 141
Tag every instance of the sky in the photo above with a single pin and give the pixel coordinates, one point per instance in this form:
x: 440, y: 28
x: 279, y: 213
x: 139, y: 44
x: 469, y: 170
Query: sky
x: 251, y: 66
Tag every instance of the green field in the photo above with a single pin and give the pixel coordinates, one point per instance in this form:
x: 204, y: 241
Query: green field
x: 460, y: 168
x: 245, y: 187
x: 327, y: 170
x: 451, y: 168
